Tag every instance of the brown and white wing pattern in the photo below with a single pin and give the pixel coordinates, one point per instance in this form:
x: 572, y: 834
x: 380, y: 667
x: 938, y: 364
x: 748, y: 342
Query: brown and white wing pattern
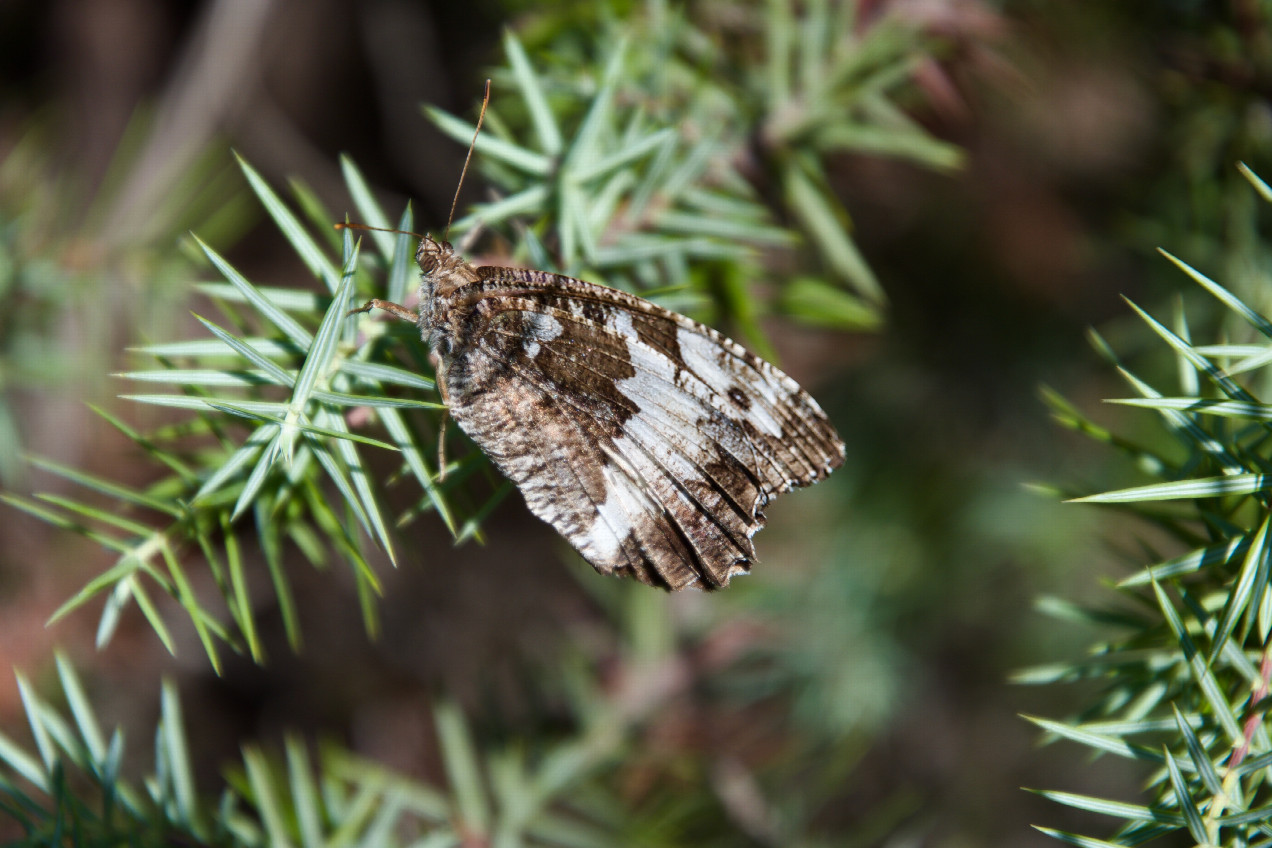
x: 650, y: 442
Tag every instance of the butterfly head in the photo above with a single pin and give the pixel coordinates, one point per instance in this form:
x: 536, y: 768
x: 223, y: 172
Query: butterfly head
x: 443, y: 270
x: 432, y: 255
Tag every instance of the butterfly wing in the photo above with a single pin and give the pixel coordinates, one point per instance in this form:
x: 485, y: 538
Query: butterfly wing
x: 650, y: 442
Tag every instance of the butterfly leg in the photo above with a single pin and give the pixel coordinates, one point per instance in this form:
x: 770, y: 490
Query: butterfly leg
x: 441, y: 447
x: 436, y: 362
x: 388, y: 306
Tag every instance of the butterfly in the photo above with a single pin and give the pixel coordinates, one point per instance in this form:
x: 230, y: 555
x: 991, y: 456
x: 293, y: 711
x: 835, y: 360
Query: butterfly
x: 649, y: 441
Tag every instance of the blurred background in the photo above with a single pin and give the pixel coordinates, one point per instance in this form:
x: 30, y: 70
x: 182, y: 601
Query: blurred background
x: 854, y: 690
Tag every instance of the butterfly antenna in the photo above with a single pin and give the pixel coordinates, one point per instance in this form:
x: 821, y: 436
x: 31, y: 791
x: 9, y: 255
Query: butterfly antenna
x: 485, y: 101
x: 345, y: 225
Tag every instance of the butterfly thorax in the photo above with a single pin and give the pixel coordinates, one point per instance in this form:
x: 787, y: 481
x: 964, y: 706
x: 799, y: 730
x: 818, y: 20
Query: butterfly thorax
x: 444, y: 273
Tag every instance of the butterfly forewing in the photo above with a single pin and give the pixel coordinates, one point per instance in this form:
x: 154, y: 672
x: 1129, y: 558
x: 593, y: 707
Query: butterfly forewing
x: 649, y: 441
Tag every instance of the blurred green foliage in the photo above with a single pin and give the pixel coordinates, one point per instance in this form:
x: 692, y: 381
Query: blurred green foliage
x: 60, y: 252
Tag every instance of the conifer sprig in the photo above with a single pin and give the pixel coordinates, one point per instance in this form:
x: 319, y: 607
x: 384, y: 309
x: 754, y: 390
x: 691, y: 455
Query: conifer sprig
x: 1186, y: 678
